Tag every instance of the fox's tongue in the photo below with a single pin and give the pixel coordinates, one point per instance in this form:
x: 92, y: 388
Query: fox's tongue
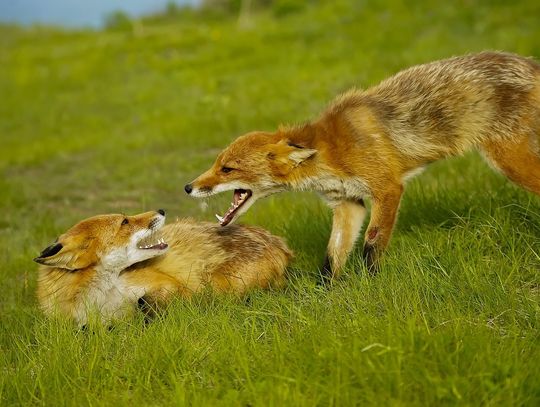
x: 240, y: 196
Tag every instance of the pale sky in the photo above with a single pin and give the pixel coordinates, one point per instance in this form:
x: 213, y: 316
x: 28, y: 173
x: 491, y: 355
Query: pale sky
x: 75, y: 13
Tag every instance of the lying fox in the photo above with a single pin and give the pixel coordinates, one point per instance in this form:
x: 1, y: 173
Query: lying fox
x: 107, y: 264
x: 368, y: 143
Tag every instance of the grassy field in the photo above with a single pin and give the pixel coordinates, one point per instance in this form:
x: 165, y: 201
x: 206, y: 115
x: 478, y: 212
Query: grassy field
x: 119, y: 120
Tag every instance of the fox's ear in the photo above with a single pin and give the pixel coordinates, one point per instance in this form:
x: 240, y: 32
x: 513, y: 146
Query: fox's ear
x: 299, y: 155
x: 48, y: 254
x: 58, y: 255
x: 288, y: 152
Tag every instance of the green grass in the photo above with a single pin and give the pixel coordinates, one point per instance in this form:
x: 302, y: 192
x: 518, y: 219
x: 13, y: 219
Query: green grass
x: 119, y: 120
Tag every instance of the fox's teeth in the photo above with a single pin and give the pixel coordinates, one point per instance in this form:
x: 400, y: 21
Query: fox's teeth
x: 243, y: 196
x: 220, y: 218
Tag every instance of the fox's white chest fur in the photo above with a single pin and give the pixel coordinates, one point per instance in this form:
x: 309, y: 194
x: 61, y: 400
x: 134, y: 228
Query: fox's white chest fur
x: 107, y: 295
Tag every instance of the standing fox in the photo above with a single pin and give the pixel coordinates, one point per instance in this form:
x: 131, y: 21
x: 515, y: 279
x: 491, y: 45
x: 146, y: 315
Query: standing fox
x: 368, y: 143
x: 108, y: 263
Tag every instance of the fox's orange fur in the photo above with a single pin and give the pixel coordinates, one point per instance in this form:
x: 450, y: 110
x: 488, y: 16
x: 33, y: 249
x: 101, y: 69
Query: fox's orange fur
x: 368, y: 143
x: 97, y: 266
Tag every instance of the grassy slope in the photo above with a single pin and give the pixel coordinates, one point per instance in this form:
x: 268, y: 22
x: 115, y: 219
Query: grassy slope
x: 119, y: 121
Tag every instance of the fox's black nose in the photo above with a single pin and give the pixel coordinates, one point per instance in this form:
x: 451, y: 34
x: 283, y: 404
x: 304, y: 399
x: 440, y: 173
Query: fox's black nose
x: 161, y: 212
x: 188, y: 188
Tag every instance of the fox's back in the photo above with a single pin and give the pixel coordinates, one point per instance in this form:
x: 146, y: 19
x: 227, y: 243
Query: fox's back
x: 232, y: 258
x: 445, y: 107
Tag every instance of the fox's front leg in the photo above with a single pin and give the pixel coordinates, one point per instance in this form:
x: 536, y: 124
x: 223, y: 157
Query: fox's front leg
x: 384, y: 210
x: 151, y: 289
x: 346, y: 224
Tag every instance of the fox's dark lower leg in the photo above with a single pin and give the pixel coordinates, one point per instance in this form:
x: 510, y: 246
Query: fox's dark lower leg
x: 346, y: 224
x: 383, y: 217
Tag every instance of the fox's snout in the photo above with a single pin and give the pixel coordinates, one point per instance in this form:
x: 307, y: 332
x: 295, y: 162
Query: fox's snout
x: 156, y: 221
x: 205, y: 185
x: 161, y: 212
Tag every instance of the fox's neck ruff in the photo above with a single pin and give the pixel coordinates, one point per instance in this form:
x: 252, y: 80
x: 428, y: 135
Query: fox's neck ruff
x: 328, y: 133
x: 331, y: 185
x: 102, y: 271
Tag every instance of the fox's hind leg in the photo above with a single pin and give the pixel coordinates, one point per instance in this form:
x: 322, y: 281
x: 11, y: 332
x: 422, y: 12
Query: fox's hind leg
x: 519, y: 160
x: 346, y: 224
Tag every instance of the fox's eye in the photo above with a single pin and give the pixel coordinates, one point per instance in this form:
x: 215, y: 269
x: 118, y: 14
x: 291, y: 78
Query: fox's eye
x: 125, y: 221
x: 226, y: 169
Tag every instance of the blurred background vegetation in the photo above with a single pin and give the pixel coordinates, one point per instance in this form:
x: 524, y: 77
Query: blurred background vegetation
x: 119, y: 118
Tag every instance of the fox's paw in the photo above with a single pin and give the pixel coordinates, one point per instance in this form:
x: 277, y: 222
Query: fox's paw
x: 327, y: 268
x: 371, y: 258
x: 326, y: 274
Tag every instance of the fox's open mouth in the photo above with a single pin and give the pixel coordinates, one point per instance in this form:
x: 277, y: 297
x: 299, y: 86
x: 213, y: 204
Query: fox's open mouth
x: 152, y: 242
x: 240, y: 197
